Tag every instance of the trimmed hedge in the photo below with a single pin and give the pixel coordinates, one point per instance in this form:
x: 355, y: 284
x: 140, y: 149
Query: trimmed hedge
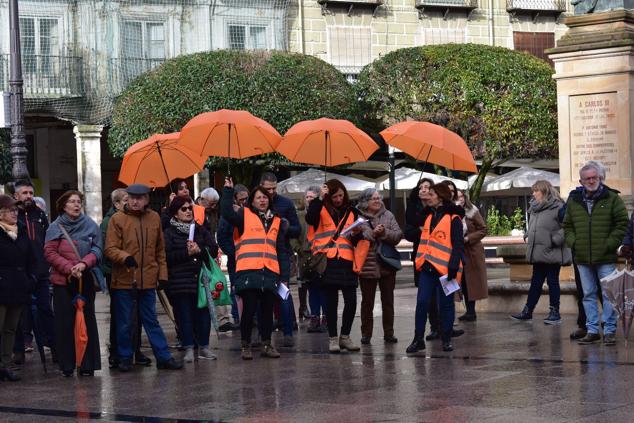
x: 281, y: 88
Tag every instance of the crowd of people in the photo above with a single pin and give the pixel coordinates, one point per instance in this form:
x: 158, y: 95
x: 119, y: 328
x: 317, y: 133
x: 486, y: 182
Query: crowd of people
x: 333, y: 245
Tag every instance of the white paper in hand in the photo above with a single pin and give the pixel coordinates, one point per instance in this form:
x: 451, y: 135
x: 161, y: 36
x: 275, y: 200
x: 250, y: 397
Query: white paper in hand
x: 358, y: 222
x: 283, y: 291
x: 192, y: 228
x: 449, y: 286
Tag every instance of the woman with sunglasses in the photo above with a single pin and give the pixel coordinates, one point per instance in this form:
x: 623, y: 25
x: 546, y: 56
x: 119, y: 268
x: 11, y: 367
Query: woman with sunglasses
x: 15, y: 283
x: 184, y: 262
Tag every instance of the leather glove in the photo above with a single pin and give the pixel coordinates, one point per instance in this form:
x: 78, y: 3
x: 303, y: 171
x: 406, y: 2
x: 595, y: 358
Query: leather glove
x: 625, y: 251
x: 162, y: 285
x: 130, y: 262
x: 452, y: 274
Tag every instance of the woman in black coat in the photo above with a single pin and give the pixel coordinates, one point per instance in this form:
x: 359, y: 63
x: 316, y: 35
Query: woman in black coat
x: 16, y: 284
x: 184, y: 261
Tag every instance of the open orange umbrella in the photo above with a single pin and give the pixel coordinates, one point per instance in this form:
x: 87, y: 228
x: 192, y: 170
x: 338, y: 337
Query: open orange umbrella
x: 431, y: 143
x: 158, y: 160
x: 80, y: 330
x: 235, y: 134
x: 326, y: 142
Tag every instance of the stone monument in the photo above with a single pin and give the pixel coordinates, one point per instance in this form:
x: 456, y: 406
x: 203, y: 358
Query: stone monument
x: 594, y: 70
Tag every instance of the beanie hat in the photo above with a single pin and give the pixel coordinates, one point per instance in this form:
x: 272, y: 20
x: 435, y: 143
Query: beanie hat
x: 6, y: 202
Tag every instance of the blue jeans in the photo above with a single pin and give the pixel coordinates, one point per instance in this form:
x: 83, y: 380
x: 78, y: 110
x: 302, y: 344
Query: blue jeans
x: 316, y: 300
x: 428, y: 285
x: 194, y: 324
x: 124, y: 309
x: 590, y: 280
x: 542, y: 271
x: 287, y: 315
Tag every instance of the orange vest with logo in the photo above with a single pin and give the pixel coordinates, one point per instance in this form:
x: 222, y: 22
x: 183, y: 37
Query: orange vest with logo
x: 321, y: 243
x: 256, y: 248
x: 199, y: 214
x: 435, y: 246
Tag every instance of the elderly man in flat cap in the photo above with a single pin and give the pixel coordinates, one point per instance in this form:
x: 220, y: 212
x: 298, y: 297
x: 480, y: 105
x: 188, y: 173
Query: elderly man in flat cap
x: 135, y: 246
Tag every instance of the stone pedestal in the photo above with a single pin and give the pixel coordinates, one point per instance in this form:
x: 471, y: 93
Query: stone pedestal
x: 594, y: 70
x: 89, y: 168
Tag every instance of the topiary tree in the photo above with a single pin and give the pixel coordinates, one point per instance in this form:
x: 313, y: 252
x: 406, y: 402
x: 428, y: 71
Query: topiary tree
x: 281, y: 88
x: 502, y: 102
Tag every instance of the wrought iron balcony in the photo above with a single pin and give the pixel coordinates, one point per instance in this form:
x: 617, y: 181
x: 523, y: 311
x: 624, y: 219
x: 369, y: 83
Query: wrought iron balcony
x: 350, y: 4
x: 533, y: 6
x: 46, y: 76
x: 122, y: 71
x: 446, y: 6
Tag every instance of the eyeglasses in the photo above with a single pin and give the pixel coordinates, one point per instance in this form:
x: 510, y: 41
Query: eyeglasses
x: 11, y: 210
x: 590, y: 178
x: 187, y: 208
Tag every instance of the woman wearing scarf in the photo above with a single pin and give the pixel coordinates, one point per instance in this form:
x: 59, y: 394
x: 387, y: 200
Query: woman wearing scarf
x: 16, y: 256
x: 67, y: 270
x: 546, y: 250
x: 184, y: 261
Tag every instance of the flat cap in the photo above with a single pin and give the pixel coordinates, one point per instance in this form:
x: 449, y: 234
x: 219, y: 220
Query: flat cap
x: 138, y: 189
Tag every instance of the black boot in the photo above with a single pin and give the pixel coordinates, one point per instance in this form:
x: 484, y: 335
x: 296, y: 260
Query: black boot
x: 525, y: 315
x: 418, y: 344
x: 553, y: 317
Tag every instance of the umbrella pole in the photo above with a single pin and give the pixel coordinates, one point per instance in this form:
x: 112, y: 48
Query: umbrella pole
x: 425, y: 164
x: 158, y: 148
x: 326, y: 157
x: 229, y: 152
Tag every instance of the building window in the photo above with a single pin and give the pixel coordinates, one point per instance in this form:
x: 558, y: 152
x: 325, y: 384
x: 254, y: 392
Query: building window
x: 143, y: 40
x: 39, y: 38
x: 435, y: 36
x: 247, y: 37
x: 349, y: 49
x: 534, y: 43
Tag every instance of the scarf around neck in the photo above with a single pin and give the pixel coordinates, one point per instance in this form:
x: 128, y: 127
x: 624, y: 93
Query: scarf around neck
x: 83, y: 230
x: 181, y: 227
x: 11, y: 230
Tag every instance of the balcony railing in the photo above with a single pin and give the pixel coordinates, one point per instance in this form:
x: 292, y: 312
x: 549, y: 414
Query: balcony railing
x: 460, y: 4
x: 552, y: 6
x: 46, y: 76
x: 122, y: 71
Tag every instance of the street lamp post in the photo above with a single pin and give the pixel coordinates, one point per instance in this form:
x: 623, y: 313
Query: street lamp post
x: 19, y: 151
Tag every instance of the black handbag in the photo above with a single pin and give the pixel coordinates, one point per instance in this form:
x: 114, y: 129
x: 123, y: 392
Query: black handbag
x: 388, y: 254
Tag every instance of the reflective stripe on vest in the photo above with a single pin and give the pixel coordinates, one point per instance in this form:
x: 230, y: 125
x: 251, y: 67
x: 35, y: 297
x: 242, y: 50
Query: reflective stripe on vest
x: 256, y: 248
x: 322, y: 242
x: 435, y: 247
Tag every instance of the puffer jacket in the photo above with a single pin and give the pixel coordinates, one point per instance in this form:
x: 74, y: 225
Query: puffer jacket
x: 373, y: 268
x: 183, y: 269
x: 61, y: 256
x: 16, y: 262
x: 594, y: 237
x: 136, y: 234
x: 545, y: 236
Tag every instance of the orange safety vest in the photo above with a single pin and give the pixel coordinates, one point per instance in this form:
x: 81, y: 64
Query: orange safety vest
x: 435, y: 247
x: 256, y: 248
x: 199, y: 214
x: 322, y: 242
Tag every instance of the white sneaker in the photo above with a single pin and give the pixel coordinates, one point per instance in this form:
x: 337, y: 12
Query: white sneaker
x: 333, y: 345
x: 206, y: 354
x: 189, y: 355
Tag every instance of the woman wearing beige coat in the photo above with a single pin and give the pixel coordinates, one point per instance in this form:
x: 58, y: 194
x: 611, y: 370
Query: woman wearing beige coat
x: 474, y: 281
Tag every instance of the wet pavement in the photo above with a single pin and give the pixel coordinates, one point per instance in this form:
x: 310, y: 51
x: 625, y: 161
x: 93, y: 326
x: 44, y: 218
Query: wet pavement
x: 500, y: 371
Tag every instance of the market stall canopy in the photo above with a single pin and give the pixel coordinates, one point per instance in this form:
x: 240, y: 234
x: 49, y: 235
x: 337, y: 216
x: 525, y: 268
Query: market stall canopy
x: 518, y: 182
x: 407, y: 178
x: 302, y: 181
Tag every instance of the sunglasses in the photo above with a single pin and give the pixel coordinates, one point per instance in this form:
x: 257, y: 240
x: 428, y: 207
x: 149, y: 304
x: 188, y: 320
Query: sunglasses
x: 184, y: 208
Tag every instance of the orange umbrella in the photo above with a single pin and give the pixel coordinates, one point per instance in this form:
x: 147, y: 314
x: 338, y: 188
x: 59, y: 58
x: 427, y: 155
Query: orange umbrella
x: 431, y: 143
x: 158, y: 160
x: 233, y: 134
x: 326, y: 142
x: 80, y: 331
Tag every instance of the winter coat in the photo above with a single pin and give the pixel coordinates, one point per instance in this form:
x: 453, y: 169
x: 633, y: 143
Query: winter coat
x: 413, y: 224
x: 545, y: 236
x: 183, y: 269
x: 300, y: 245
x: 106, y: 266
x: 594, y: 237
x: 474, y: 265
x: 61, y: 256
x: 16, y: 260
x: 136, y: 234
x: 224, y: 236
x: 262, y: 279
x: 35, y: 224
x: 373, y: 268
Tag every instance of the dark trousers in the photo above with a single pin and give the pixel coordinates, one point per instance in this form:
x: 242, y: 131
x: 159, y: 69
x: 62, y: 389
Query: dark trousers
x: 37, y: 316
x: 250, y: 300
x: 386, y: 285
x: 465, y: 292
x: 549, y: 272
x: 581, y: 313
x: 432, y: 310
x: 302, y: 293
x: 429, y: 287
x: 316, y: 300
x: 9, y: 317
x: 194, y: 324
x: 349, y: 309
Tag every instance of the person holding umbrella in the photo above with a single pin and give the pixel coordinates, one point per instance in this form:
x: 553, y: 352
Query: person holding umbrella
x: 73, y: 247
x: 16, y: 256
x: 260, y: 249
x: 184, y: 261
x: 135, y: 246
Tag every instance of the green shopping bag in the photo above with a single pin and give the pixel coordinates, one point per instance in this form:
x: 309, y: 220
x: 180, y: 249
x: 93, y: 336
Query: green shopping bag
x: 218, y: 284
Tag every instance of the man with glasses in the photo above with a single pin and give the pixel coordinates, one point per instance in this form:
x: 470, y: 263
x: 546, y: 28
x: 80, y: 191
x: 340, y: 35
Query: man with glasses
x: 594, y: 224
x: 224, y: 237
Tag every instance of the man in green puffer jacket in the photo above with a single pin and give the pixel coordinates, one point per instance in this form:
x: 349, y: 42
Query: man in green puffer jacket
x: 594, y: 225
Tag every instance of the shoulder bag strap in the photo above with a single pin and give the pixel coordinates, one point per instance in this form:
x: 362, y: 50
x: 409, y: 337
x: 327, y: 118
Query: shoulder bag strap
x: 341, y: 225
x: 70, y: 241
